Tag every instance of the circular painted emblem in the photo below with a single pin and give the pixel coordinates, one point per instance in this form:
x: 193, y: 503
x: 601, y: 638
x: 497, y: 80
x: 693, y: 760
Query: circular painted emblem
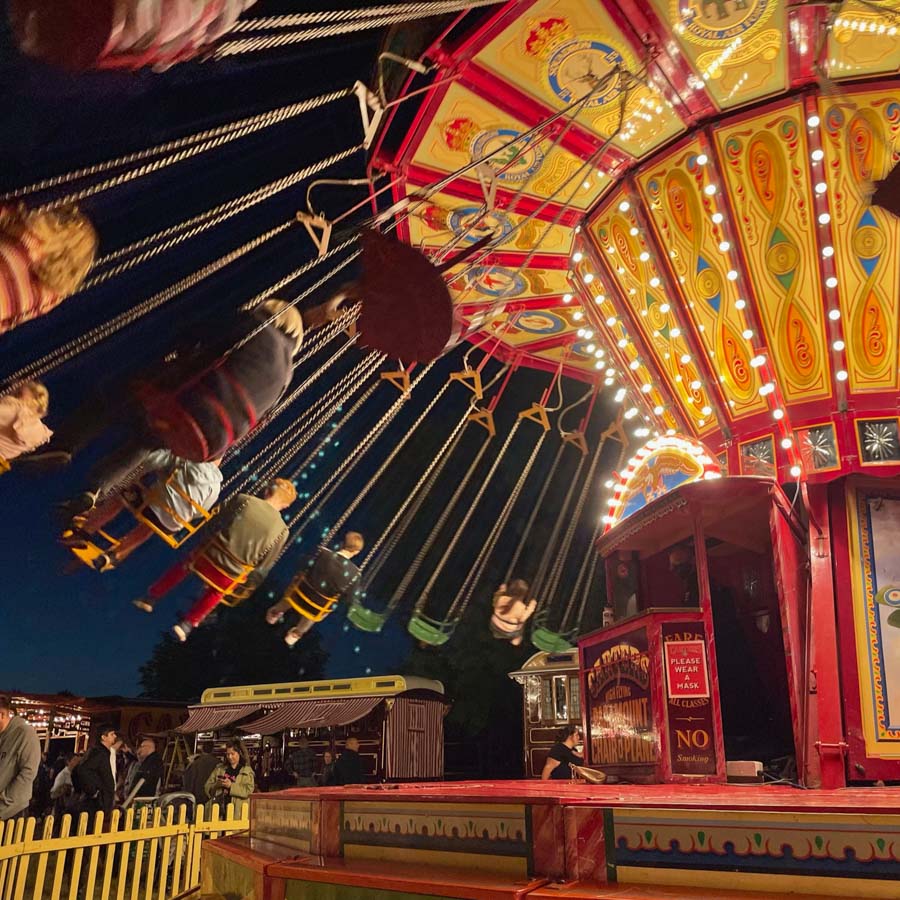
x: 577, y: 66
x: 581, y: 348
x: 463, y: 221
x: 889, y: 596
x: 711, y: 21
x: 515, y: 163
x: 539, y: 323
x: 494, y: 281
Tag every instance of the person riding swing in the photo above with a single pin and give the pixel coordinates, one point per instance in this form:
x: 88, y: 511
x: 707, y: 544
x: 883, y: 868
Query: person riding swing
x: 315, y: 592
x: 248, y: 536
x: 511, y: 610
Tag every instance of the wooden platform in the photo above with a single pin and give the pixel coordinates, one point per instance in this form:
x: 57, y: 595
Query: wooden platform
x: 486, y: 840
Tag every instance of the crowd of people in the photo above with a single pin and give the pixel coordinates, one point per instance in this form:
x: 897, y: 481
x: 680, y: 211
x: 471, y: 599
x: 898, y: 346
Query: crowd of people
x: 111, y: 774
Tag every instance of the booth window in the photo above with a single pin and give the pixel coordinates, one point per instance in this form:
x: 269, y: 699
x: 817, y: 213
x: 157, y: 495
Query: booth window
x: 561, y: 698
x: 546, y: 700
x: 533, y: 698
x: 574, y: 697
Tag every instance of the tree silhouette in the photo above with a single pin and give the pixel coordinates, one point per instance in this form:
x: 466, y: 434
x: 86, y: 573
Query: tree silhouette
x: 236, y: 647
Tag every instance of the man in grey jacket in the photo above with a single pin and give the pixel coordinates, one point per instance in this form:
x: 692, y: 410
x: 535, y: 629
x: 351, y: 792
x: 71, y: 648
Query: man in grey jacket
x: 20, y: 757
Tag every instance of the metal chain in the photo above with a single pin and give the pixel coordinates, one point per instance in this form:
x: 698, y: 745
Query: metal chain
x: 293, y: 439
x: 269, y: 42
x: 591, y: 558
x: 209, y: 139
x: 72, y: 348
x: 535, y: 509
x: 538, y: 581
x: 451, y: 546
x: 435, y: 8
x: 258, y: 461
x: 413, y: 569
x: 457, y: 608
x: 566, y: 545
x: 337, y: 476
x: 170, y: 237
x: 413, y: 503
x: 367, y: 487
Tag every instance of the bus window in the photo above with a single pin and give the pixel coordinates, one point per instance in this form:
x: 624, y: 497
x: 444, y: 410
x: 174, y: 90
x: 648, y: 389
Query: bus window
x: 560, y: 696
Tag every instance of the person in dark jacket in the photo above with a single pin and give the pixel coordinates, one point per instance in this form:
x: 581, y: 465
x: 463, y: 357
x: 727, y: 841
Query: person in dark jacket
x: 349, y: 769
x: 330, y: 577
x: 206, y: 396
x: 97, y: 772
x: 197, y: 774
x: 147, y: 768
x: 248, y: 533
x: 563, y: 755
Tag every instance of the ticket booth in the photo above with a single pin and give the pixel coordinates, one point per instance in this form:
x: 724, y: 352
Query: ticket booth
x: 707, y: 584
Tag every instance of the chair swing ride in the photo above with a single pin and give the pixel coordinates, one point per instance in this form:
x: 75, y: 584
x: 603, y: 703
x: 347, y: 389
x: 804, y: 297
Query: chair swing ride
x: 691, y: 209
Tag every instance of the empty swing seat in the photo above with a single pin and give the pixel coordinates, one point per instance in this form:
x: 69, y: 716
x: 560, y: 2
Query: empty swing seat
x: 551, y: 641
x: 365, y: 619
x: 430, y: 631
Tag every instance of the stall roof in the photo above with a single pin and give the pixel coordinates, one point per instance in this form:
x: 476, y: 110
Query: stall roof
x: 211, y: 718
x: 547, y: 662
x: 733, y: 509
x: 375, y: 686
x: 313, y: 714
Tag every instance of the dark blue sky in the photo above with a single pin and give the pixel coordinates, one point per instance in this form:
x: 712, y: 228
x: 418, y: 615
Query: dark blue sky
x: 79, y: 632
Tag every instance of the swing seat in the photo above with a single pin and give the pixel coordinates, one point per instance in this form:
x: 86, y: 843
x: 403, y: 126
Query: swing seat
x: 307, y: 601
x: 234, y: 589
x: 364, y: 619
x: 140, y: 509
x: 430, y: 631
x: 407, y: 311
x: 4, y: 465
x: 551, y: 641
x: 89, y: 550
x: 502, y: 635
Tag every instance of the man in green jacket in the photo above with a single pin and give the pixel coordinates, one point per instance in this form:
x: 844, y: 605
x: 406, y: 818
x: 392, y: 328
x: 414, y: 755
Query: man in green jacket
x: 20, y: 758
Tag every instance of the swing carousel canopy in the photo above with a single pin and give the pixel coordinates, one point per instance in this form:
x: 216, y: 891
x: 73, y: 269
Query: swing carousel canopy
x: 679, y: 193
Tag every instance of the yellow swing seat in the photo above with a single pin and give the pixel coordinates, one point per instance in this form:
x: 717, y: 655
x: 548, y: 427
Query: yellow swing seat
x: 139, y: 509
x: 91, y: 549
x: 306, y: 600
x: 234, y: 588
x: 4, y: 465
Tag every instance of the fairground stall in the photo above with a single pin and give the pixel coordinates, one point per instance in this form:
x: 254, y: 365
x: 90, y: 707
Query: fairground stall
x: 680, y: 201
x: 399, y: 722
x: 551, y: 689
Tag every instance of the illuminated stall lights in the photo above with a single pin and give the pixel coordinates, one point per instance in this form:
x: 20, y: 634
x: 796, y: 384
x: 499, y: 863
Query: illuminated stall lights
x: 718, y: 218
x: 796, y: 471
x: 834, y: 314
x: 577, y: 256
x: 631, y: 413
x: 817, y: 155
x: 620, y: 395
x: 841, y: 375
x: 567, y: 298
x: 588, y: 277
x: 813, y: 121
x: 831, y: 282
x: 646, y: 388
x: 778, y: 414
x: 624, y: 206
x: 824, y: 218
x: 838, y: 346
x: 634, y: 365
x: 758, y: 361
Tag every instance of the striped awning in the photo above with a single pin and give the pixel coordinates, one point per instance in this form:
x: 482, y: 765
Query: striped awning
x: 313, y: 714
x: 211, y: 718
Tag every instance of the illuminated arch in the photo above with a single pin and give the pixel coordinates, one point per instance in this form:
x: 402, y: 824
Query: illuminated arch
x: 662, y: 464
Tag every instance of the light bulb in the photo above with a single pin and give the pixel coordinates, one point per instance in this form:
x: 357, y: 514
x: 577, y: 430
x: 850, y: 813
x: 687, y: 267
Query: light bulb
x: 834, y: 314
x: 740, y: 304
x: 702, y: 159
x: 758, y: 361
x: 813, y: 121
x: 841, y: 375
x: 817, y: 154
x: 821, y: 187
x: 828, y: 251
x: 631, y: 413
x: 717, y: 218
x: 624, y: 206
x: 824, y: 218
x: 577, y: 256
x: 709, y: 190
x: 778, y: 414
x: 567, y: 298
x: 724, y: 246
x: 696, y: 385
x: 838, y: 345
x: 588, y: 277
x: 795, y: 471
x: 831, y: 282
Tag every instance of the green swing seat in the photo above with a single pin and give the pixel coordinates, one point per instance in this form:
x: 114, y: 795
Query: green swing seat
x: 364, y: 619
x: 430, y: 631
x: 550, y: 641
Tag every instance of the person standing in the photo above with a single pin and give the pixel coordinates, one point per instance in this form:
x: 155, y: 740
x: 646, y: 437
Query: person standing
x: 97, y: 772
x: 562, y: 755
x: 20, y: 758
x: 302, y: 762
x: 349, y: 769
x: 232, y: 780
x: 326, y: 776
x: 148, y: 767
x: 63, y: 786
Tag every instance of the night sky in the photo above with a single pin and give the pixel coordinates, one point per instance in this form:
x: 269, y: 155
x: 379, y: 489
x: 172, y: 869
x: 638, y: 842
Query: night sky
x: 79, y: 632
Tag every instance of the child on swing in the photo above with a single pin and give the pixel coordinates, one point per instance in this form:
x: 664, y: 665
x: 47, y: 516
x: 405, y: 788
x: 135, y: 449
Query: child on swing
x: 180, y: 493
x: 331, y: 576
x: 511, y: 610
x: 21, y: 426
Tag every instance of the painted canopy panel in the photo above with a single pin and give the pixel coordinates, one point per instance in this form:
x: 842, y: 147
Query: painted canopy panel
x: 862, y: 42
x: 492, y: 284
x: 561, y: 51
x: 765, y: 161
x: 737, y: 48
x: 469, y: 128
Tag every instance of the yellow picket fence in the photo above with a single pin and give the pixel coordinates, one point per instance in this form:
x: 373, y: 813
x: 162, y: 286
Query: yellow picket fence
x: 137, y: 856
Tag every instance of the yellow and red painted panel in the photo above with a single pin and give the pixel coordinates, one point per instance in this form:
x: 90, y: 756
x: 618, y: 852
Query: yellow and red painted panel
x: 862, y: 41
x: 628, y: 261
x: 467, y: 127
x: 675, y: 192
x: 558, y: 49
x: 861, y: 140
x: 738, y: 50
x: 765, y: 163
